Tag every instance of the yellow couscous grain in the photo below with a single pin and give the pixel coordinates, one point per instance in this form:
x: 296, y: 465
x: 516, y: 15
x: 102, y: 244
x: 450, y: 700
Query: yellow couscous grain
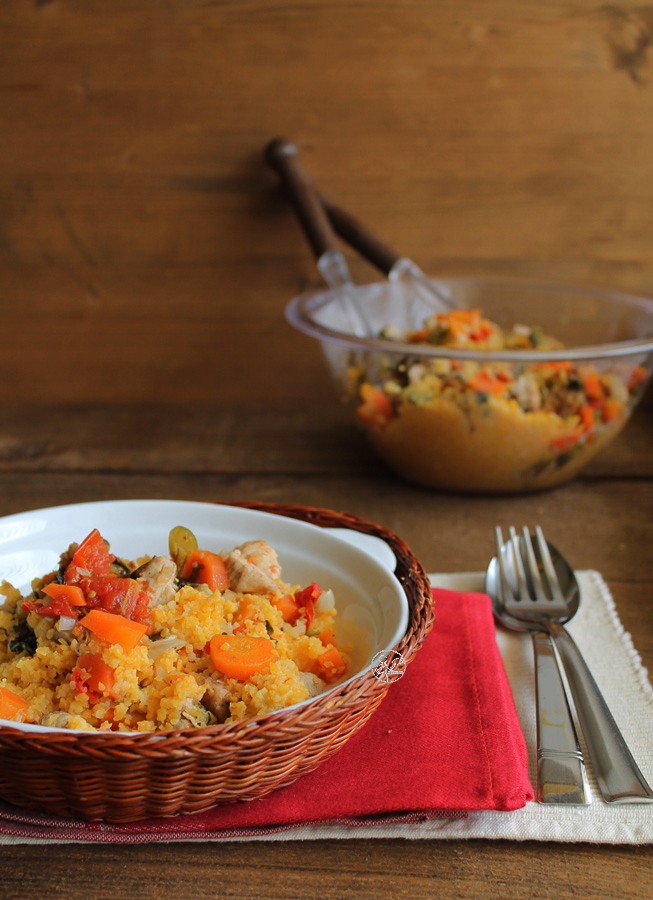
x: 71, y: 675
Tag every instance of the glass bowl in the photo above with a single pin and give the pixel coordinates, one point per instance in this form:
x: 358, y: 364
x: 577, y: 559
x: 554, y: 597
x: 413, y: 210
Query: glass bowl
x: 487, y: 420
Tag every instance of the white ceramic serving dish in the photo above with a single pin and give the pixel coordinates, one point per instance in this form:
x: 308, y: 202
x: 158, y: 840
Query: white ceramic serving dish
x: 371, y: 603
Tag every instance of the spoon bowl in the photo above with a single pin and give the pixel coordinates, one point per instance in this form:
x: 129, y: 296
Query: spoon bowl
x: 562, y: 611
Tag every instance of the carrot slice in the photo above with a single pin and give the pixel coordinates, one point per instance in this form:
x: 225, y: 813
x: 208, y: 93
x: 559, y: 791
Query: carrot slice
x: 637, y: 377
x: 11, y: 705
x: 331, y: 664
x: 557, y: 365
x: 611, y: 409
x: 586, y: 414
x: 326, y: 637
x: 593, y: 387
x: 240, y: 656
x: 70, y: 592
x: 376, y: 408
x: 485, y: 383
x: 114, y: 629
x: 247, y: 609
x: 288, y: 607
x: 101, y: 676
x: 566, y: 441
x: 204, y: 567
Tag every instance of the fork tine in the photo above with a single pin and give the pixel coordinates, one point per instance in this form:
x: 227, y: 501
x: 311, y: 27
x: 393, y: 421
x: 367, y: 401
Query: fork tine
x: 533, y: 568
x: 507, y: 595
x: 523, y: 590
x: 549, y: 569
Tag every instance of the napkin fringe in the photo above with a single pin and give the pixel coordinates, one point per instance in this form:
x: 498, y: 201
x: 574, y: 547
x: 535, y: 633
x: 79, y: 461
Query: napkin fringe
x: 25, y: 826
x: 639, y: 669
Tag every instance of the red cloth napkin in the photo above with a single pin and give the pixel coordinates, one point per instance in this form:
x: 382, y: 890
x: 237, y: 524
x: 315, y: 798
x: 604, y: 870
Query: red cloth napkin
x: 445, y: 741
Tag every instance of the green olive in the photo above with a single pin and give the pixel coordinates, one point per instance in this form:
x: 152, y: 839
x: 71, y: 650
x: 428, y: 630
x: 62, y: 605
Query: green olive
x: 181, y: 543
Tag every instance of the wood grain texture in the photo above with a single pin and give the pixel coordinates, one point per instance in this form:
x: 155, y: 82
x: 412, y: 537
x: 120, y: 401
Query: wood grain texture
x: 343, y: 869
x: 509, y: 138
x: 229, y: 438
x: 146, y: 256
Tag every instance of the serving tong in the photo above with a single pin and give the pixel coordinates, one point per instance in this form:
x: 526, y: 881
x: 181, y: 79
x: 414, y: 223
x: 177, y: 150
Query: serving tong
x: 323, y: 221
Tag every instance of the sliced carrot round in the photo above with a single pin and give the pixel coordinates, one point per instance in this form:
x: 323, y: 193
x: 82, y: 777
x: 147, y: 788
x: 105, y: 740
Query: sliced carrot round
x: 240, y: 656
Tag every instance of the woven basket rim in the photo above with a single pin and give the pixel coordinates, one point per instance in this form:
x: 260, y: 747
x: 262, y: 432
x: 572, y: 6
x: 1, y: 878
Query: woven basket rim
x: 411, y: 575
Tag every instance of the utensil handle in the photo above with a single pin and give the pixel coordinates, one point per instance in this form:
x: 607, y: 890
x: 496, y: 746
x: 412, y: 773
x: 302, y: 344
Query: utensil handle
x: 360, y: 237
x: 561, y: 775
x: 282, y: 155
x: 398, y: 268
x: 617, y: 774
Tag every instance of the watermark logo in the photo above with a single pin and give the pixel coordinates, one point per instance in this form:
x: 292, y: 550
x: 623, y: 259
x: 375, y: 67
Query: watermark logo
x: 388, y: 666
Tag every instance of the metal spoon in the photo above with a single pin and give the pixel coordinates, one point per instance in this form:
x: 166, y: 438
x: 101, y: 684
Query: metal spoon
x: 617, y: 774
x: 561, y: 774
x: 282, y: 155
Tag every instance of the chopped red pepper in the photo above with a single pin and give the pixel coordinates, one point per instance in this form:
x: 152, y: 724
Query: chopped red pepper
x: 122, y: 596
x: 92, y: 556
x: 94, y: 677
x: 58, y: 607
x: 90, y: 570
x: 566, y: 441
x: 481, y: 334
x: 306, y: 600
x: 29, y: 606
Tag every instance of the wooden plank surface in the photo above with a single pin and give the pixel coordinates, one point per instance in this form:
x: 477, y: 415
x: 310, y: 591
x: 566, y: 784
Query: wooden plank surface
x: 321, y: 437
x: 606, y: 524
x: 338, y: 869
x: 147, y: 254
x: 509, y: 138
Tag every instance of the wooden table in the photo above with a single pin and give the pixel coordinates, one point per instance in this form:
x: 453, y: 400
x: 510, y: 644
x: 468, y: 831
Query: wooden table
x: 310, y: 455
x: 145, y: 259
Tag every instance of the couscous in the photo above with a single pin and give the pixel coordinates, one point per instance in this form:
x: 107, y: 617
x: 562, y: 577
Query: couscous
x: 180, y: 641
x: 490, y: 426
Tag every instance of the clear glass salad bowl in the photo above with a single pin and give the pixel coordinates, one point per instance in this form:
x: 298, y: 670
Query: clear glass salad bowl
x: 464, y: 414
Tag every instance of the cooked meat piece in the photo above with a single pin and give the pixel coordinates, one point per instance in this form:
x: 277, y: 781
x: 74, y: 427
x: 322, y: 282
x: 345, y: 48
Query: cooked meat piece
x: 159, y: 575
x: 314, y: 684
x: 55, y: 720
x: 253, y: 568
x: 194, y: 715
x: 527, y: 392
x: 216, y: 700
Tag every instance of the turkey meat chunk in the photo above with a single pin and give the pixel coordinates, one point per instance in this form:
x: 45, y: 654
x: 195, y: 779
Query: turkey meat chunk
x: 253, y: 568
x: 158, y: 577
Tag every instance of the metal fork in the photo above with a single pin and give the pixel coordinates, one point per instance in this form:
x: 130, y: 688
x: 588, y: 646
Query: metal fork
x: 617, y: 774
x: 561, y: 774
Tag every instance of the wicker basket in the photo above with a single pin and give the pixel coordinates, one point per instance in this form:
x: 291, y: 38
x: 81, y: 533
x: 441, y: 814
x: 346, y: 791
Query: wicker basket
x: 124, y: 778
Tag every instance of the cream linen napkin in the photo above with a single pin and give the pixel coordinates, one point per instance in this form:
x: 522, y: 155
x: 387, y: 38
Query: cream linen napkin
x: 610, y: 654
x: 617, y: 668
